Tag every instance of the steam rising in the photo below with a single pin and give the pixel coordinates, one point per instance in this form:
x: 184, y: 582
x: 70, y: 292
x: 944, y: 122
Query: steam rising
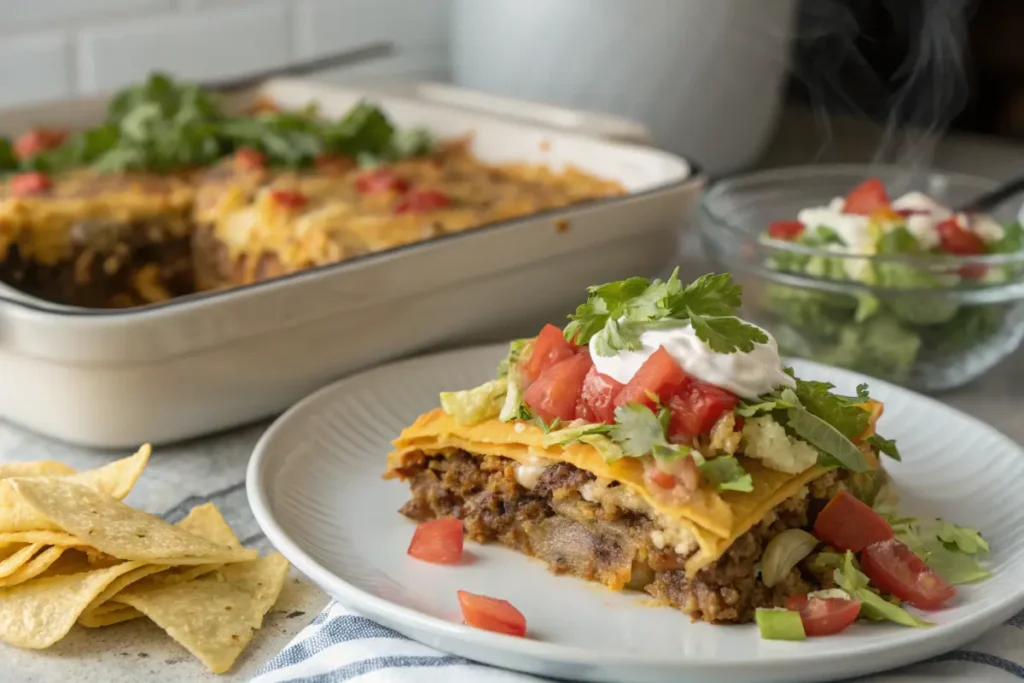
x: 917, y: 101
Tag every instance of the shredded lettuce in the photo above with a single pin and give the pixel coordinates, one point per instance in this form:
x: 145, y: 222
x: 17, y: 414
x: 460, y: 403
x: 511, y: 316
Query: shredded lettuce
x: 473, y: 406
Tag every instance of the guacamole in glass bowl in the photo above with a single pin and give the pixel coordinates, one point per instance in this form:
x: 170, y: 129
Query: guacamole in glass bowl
x: 867, y: 267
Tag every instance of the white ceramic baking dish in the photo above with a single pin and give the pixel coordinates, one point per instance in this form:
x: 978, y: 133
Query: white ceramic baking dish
x: 207, y: 362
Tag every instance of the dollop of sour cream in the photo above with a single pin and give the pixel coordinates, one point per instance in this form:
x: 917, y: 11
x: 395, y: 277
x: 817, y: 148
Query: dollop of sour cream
x: 748, y: 375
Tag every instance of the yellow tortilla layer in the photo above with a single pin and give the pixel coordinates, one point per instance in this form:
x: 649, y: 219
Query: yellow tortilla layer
x: 716, y: 519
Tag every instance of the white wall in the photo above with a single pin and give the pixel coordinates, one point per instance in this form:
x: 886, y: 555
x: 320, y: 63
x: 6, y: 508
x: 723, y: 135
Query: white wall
x: 56, y: 48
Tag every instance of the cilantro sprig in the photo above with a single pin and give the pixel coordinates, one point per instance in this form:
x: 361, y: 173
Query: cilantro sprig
x: 617, y: 313
x: 163, y: 125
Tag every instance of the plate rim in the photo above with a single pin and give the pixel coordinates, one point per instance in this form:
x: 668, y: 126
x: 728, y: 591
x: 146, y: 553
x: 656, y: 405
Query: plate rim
x: 924, y: 642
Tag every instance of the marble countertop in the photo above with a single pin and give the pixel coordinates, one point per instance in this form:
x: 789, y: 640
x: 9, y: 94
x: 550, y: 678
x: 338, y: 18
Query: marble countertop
x: 213, y: 469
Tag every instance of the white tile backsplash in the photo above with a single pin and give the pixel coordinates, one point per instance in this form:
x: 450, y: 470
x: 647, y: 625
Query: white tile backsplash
x: 34, y: 67
x: 21, y: 14
x: 58, y: 48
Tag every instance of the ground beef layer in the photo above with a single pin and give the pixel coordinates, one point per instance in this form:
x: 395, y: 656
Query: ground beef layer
x: 605, y: 543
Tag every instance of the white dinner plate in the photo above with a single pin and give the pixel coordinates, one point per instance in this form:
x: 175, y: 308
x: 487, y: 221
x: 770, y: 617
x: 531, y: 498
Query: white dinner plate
x: 314, y: 484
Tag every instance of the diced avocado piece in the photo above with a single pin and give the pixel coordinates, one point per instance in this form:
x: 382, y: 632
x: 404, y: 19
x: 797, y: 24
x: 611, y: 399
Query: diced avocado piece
x: 780, y: 624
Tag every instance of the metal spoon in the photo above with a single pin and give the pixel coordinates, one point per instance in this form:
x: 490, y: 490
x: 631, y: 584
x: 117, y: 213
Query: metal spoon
x: 993, y: 198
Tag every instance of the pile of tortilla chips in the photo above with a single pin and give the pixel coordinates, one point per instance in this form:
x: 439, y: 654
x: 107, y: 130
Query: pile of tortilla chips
x: 71, y: 551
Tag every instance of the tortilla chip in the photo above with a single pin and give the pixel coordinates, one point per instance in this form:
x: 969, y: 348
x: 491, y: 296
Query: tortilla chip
x: 116, y: 529
x: 44, y: 537
x: 204, y: 521
x: 38, y: 468
x: 34, y: 567
x: 38, y: 613
x: 100, y: 618
x: 17, y: 559
x: 115, y: 479
x: 214, y: 617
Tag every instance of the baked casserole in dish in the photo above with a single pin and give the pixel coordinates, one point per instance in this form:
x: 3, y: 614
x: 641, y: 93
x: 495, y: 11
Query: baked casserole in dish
x: 170, y: 196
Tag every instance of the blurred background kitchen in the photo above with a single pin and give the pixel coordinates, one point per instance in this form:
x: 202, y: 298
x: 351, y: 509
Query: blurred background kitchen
x: 733, y: 83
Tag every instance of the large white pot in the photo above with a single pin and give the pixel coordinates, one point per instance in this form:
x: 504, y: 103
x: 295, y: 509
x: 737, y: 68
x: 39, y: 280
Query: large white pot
x: 705, y: 75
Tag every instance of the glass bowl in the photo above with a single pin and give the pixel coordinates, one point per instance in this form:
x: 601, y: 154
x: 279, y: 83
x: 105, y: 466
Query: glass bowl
x: 927, y: 327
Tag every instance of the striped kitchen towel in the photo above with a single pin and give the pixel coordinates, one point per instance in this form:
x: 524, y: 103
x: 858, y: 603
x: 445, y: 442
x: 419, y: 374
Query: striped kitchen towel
x: 341, y: 646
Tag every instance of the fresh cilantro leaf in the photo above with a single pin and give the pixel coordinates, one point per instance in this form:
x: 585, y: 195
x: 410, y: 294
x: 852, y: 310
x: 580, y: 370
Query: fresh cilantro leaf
x: 725, y: 334
x: 840, y: 412
x: 615, y: 337
x: 887, y: 446
x: 637, y: 430
x: 966, y: 540
x: 726, y: 474
x: 825, y: 438
x: 709, y: 295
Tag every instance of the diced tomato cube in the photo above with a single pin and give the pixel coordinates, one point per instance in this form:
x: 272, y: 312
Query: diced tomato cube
x: 438, y: 541
x: 557, y: 391
x: 549, y: 348
x: 381, y: 180
x: 25, y: 184
x: 895, y: 568
x: 660, y: 375
x: 597, y: 399
x: 850, y: 524
x: 38, y: 140
x: 421, y: 200
x: 824, y: 616
x: 491, y: 614
x: 289, y: 198
x: 867, y: 198
x: 785, y: 230
x: 696, y: 408
x: 249, y: 159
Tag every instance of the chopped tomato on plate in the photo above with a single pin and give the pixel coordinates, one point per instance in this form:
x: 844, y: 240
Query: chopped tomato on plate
x: 662, y: 479
x: 421, y: 200
x: 696, y: 409
x: 849, y: 524
x: 895, y: 568
x: 25, y: 184
x: 381, y: 180
x: 288, y: 198
x: 36, y: 141
x: 556, y: 393
x: 491, y: 614
x: 867, y: 198
x: 438, y: 541
x: 660, y: 375
x: 249, y: 159
x: 785, y: 230
x: 549, y: 348
x: 824, y: 616
x: 597, y: 400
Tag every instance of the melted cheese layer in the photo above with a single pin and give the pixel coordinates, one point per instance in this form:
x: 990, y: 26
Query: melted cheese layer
x: 715, y: 519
